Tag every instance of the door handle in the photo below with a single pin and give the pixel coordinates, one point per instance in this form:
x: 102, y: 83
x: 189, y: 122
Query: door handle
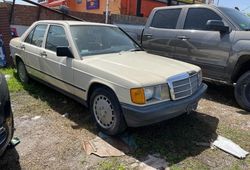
x: 148, y: 35
x: 22, y: 47
x: 43, y: 54
x: 183, y: 37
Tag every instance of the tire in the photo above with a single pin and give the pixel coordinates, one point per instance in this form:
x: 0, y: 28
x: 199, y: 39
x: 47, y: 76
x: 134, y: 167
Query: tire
x: 5, y: 114
x: 22, y: 72
x: 106, y: 111
x: 242, y: 91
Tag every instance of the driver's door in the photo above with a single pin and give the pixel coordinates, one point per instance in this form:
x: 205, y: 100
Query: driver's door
x: 58, y: 70
x: 206, y: 48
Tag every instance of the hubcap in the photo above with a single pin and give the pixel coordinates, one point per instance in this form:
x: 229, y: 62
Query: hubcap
x: 21, y: 71
x: 103, y: 111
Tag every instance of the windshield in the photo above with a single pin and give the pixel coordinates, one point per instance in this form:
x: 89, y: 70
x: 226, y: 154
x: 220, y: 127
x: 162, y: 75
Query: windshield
x: 239, y: 18
x: 92, y: 40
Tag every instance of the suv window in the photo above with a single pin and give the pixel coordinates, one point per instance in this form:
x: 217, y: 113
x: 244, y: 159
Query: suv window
x: 197, y: 18
x: 166, y: 18
x: 56, y: 37
x: 37, y: 36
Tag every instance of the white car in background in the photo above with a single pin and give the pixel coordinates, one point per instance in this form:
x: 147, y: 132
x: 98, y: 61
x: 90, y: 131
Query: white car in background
x: 103, y: 68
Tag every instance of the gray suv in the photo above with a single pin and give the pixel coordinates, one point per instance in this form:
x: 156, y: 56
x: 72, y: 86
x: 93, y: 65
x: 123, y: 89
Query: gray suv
x: 215, y: 38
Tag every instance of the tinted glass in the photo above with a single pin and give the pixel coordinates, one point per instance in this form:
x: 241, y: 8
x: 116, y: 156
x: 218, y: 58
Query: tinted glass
x: 197, y: 18
x: 239, y: 18
x: 56, y: 37
x: 166, y: 18
x: 92, y: 40
x: 38, y: 35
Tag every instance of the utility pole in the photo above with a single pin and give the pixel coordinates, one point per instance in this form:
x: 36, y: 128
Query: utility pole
x: 169, y: 2
x: 218, y: 2
x: 12, y: 10
x: 138, y: 8
x: 107, y: 12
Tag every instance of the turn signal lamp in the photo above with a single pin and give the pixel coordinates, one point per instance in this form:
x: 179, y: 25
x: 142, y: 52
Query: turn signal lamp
x: 137, y: 96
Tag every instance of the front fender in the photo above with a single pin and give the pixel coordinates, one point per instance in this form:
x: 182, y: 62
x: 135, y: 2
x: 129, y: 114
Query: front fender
x: 122, y: 93
x: 239, y: 49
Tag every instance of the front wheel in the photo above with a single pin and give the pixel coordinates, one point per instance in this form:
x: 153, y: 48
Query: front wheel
x: 242, y: 91
x: 106, y: 110
x: 22, y: 72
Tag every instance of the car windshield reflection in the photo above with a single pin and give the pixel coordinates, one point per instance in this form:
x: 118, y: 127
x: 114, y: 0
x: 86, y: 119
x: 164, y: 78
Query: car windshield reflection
x: 101, y: 40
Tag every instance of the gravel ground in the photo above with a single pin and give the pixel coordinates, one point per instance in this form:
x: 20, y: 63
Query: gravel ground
x: 52, y: 128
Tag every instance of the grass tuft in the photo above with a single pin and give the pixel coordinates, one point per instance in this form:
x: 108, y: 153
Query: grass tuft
x: 14, y: 84
x: 112, y: 164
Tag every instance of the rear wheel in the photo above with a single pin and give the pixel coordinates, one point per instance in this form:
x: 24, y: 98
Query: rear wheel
x: 242, y: 91
x: 107, y: 112
x: 22, y: 72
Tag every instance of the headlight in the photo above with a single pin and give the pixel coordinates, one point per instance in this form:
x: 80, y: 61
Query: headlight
x: 150, y: 94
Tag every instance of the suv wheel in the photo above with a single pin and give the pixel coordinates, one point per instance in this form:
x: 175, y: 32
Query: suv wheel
x: 106, y: 110
x: 242, y: 91
x: 22, y: 72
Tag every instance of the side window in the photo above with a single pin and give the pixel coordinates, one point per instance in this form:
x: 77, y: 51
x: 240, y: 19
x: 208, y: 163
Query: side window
x: 56, y: 37
x: 29, y: 37
x: 197, y: 18
x: 38, y: 35
x: 166, y: 18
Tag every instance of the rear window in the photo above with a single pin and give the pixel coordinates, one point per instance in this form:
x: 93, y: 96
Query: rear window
x: 166, y: 18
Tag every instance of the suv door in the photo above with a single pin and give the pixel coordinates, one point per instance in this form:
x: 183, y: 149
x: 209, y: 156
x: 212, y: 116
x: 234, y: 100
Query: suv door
x: 58, y: 70
x: 32, y: 46
x: 159, y: 35
x: 207, y: 48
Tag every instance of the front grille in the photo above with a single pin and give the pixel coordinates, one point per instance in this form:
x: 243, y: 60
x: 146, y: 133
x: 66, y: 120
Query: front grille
x: 3, y: 135
x: 184, y: 85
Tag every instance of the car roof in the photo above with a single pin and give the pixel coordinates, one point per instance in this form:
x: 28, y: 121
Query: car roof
x: 186, y: 6
x: 69, y: 22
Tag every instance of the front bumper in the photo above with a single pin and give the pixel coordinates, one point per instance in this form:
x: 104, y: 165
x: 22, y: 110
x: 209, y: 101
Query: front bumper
x: 136, y: 116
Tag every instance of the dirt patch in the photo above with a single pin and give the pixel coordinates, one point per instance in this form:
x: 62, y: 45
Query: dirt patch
x: 54, y: 139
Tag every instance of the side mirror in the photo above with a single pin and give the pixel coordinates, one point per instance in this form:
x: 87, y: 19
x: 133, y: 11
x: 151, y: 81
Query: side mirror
x: 64, y: 52
x: 217, y: 25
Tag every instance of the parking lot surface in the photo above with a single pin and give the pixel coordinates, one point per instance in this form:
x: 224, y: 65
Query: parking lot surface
x: 52, y: 129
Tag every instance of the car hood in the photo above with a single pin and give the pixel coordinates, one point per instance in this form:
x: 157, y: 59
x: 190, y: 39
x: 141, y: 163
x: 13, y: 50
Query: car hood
x: 140, y: 68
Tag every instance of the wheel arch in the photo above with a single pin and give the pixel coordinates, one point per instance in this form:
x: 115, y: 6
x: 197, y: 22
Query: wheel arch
x: 97, y: 84
x: 17, y: 58
x: 241, y: 67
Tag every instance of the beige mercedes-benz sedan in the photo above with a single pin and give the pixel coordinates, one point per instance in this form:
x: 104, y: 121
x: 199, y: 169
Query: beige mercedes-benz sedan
x: 103, y: 68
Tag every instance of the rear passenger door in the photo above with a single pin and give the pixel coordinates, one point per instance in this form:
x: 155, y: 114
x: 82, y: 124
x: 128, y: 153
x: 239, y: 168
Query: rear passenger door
x: 207, y: 48
x: 159, y: 36
x: 32, y: 47
x: 58, y: 70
